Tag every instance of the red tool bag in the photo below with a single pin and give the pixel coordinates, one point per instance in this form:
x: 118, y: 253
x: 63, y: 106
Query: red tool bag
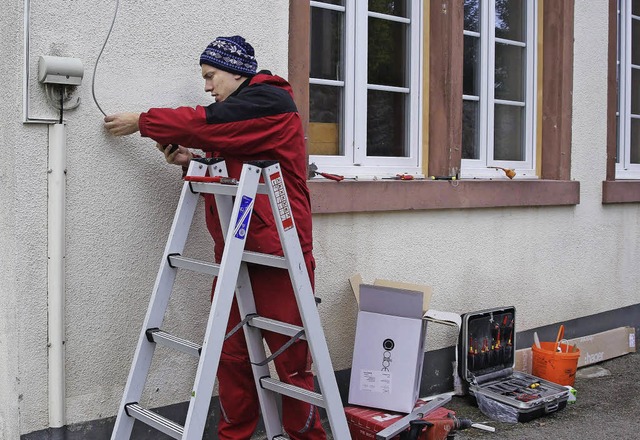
x: 365, y: 423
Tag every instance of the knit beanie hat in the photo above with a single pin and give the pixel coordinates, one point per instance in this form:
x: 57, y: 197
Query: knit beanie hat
x: 231, y: 54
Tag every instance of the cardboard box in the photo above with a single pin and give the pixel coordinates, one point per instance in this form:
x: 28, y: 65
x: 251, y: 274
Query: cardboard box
x: 365, y: 423
x: 389, y: 344
x: 593, y: 348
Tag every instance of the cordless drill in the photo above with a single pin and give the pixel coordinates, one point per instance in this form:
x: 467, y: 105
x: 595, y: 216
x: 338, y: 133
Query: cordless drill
x: 435, y: 429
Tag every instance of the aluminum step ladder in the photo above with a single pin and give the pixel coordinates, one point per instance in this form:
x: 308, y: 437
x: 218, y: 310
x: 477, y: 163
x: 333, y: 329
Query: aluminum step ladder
x: 234, y: 200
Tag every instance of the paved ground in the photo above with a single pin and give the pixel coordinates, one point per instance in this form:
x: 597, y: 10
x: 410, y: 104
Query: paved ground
x: 607, y: 407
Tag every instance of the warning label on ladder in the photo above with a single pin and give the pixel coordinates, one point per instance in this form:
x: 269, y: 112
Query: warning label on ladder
x: 281, y: 199
x: 243, y: 217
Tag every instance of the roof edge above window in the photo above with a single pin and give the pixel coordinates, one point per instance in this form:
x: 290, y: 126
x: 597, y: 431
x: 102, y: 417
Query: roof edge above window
x: 369, y: 196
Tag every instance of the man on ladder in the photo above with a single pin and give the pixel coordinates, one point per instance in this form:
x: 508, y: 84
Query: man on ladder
x: 254, y: 118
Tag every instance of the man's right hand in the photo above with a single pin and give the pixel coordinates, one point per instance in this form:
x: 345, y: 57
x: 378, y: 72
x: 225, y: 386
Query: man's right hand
x: 175, y: 154
x: 122, y: 124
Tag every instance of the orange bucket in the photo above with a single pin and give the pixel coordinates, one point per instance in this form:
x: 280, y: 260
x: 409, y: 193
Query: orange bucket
x: 554, y: 366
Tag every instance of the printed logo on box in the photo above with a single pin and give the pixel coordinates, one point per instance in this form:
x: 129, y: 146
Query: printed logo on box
x: 375, y: 381
x: 387, y: 345
x: 593, y: 358
x: 242, y: 223
x: 385, y: 417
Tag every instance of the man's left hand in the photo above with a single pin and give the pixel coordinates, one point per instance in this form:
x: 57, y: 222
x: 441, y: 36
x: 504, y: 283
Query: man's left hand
x: 122, y: 124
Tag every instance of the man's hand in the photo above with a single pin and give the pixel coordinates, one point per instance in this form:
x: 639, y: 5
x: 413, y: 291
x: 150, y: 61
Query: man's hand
x: 176, y: 154
x: 122, y: 124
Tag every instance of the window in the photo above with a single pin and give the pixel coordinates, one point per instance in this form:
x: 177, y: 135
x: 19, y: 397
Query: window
x: 364, y: 86
x: 499, y: 96
x: 628, y: 77
x: 443, y: 114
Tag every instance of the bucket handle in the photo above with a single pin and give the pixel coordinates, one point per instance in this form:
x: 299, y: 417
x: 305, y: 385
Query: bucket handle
x: 560, y: 336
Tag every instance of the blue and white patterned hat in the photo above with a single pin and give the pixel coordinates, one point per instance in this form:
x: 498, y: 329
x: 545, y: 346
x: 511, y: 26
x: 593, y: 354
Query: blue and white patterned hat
x: 232, y: 54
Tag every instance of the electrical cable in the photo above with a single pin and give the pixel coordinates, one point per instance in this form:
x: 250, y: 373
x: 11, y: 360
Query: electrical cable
x: 95, y: 68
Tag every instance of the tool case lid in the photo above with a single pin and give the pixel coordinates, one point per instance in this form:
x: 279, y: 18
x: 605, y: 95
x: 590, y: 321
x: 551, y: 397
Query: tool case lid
x: 487, y: 344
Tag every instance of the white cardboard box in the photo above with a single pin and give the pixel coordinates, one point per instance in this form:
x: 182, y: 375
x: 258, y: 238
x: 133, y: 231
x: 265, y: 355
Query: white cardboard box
x: 389, y: 344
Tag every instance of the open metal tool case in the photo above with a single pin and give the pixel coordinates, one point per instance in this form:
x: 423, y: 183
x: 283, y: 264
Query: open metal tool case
x: 487, y: 360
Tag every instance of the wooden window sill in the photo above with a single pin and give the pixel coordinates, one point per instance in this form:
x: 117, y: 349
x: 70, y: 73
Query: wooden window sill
x: 620, y: 191
x: 367, y: 196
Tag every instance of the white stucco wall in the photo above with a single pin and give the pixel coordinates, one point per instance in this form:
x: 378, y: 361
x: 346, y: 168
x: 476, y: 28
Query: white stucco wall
x: 121, y: 195
x: 553, y: 263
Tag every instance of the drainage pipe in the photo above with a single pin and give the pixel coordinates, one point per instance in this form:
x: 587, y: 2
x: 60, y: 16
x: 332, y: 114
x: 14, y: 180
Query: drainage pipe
x: 56, y: 272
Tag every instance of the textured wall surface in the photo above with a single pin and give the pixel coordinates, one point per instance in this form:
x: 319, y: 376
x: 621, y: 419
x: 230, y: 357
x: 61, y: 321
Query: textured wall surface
x: 552, y: 263
x: 121, y: 195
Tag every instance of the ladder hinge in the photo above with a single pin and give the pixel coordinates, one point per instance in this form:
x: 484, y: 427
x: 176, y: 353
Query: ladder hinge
x: 150, y: 332
x: 262, y: 163
x: 208, y: 160
x: 175, y: 254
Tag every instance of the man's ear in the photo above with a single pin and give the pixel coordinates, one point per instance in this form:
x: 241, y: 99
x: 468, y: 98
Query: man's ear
x: 237, y: 77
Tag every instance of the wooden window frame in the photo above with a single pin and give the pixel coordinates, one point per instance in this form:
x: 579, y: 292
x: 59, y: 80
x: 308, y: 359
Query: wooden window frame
x: 615, y: 191
x: 443, y: 123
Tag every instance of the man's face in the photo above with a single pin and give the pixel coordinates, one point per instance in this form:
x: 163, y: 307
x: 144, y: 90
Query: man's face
x: 220, y: 83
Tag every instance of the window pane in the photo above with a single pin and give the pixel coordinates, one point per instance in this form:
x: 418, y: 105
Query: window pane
x: 326, y: 44
x: 635, y: 42
x: 334, y: 2
x: 509, y: 75
x: 387, y: 53
x: 634, y: 153
x: 472, y: 15
x: 386, y: 124
x: 471, y: 70
x: 470, y: 130
x: 635, y: 91
x: 397, y: 8
x: 635, y: 7
x: 325, y: 120
x: 511, y: 19
x: 508, y: 133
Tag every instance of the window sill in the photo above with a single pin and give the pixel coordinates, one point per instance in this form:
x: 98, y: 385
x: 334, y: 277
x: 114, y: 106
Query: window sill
x: 367, y: 196
x: 620, y: 191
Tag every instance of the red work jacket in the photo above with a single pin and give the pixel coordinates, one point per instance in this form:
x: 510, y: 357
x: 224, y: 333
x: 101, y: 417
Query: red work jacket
x: 259, y: 121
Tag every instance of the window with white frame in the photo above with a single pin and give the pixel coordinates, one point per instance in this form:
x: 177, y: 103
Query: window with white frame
x: 364, y: 86
x: 628, y: 146
x: 499, y: 96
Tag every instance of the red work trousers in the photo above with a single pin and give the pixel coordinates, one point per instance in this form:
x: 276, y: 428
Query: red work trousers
x: 239, y: 406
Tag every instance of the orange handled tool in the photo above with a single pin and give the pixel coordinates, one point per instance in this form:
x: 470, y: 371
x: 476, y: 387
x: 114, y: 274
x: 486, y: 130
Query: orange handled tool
x: 212, y: 179
x: 313, y: 171
x: 400, y: 177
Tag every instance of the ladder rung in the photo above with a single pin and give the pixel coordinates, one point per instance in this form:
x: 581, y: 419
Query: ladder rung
x: 154, y: 420
x: 264, y: 259
x: 217, y: 188
x: 276, y: 326
x: 292, y: 391
x: 167, y: 340
x: 194, y: 265
x: 181, y: 262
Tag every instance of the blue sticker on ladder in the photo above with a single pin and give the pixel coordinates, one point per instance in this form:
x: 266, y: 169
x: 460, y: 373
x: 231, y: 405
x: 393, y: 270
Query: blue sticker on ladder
x: 242, y: 223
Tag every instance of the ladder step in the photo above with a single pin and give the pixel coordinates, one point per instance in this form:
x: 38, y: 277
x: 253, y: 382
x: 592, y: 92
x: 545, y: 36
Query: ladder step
x: 176, y: 260
x: 276, y: 326
x: 276, y: 386
x: 217, y: 188
x: 264, y: 259
x: 181, y: 262
x: 167, y: 340
x: 154, y: 420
